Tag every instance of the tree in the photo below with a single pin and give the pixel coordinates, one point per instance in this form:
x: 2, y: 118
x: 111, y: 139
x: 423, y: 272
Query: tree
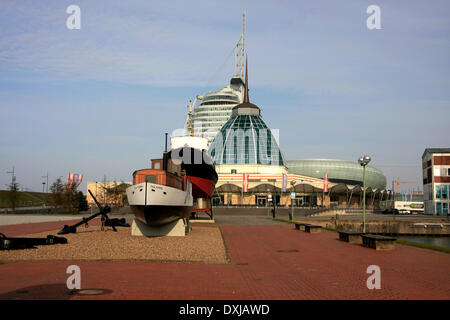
x: 13, y: 194
x: 82, y: 202
x: 117, y: 193
x: 64, y: 196
x: 57, y: 190
x: 70, y: 202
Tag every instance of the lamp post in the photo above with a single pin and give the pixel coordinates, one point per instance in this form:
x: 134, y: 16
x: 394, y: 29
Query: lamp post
x: 364, y: 161
x: 291, y: 215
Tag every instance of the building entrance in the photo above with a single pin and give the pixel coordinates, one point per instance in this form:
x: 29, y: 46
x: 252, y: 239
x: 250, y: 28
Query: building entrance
x: 261, y: 201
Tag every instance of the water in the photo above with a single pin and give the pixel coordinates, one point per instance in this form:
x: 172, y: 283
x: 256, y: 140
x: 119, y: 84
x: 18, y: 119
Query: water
x: 435, y: 241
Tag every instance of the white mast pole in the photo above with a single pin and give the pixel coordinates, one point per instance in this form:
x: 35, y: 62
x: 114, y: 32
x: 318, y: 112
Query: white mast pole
x: 243, y: 44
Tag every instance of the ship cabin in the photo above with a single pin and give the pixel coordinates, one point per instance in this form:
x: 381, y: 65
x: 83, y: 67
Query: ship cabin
x: 168, y: 175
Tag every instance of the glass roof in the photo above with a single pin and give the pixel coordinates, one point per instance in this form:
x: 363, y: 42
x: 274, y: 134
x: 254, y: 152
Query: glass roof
x: 246, y: 139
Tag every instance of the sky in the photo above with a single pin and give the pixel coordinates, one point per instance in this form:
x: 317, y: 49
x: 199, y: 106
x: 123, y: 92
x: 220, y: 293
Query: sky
x: 98, y: 100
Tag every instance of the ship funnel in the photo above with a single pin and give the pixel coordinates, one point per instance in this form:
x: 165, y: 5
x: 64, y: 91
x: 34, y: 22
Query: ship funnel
x: 165, y: 156
x: 165, y: 148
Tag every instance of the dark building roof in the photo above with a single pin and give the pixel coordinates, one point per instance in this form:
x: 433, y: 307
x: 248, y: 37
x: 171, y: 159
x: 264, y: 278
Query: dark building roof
x: 436, y: 150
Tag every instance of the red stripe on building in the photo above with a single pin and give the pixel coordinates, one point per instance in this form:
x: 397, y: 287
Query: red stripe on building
x: 441, y: 160
x: 442, y: 179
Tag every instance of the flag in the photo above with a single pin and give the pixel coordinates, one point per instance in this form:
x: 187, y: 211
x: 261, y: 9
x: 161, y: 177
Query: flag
x: 245, y: 182
x: 74, y: 179
x: 325, y: 182
x: 284, y: 183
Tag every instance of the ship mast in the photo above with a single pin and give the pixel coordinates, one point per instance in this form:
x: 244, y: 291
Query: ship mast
x: 190, y: 127
x: 240, y: 46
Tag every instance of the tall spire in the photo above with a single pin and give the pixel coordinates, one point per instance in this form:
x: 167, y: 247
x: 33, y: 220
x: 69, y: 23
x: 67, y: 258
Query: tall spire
x: 246, y: 98
x: 239, y: 51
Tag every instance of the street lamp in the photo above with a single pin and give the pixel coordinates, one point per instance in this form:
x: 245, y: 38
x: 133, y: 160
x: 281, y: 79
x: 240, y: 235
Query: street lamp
x: 364, y: 161
x: 291, y: 215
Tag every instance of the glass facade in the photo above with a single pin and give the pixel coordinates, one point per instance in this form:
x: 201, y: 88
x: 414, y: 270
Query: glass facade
x: 246, y: 139
x: 339, y: 171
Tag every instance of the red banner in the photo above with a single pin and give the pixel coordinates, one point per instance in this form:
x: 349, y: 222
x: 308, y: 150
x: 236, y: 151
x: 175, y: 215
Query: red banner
x: 245, y: 182
x: 325, y: 182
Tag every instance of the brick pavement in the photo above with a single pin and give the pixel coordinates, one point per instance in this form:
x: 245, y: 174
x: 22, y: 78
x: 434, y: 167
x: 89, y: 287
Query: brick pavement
x: 309, y: 266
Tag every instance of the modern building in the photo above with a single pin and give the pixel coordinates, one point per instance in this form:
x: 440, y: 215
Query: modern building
x: 436, y: 180
x: 253, y: 169
x: 339, y: 172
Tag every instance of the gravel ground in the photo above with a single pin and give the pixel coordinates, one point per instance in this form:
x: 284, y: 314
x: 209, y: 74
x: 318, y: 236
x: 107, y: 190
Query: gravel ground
x: 202, y: 244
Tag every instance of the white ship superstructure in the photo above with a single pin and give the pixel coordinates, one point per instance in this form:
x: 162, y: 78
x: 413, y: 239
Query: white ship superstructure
x: 215, y: 109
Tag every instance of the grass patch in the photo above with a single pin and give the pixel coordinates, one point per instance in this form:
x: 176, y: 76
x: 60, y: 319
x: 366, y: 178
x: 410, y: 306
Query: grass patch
x: 24, y: 199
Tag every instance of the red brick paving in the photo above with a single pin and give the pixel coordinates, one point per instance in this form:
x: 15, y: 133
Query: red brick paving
x: 316, y: 266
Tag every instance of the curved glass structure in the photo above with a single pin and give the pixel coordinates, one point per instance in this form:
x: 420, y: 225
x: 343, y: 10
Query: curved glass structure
x: 246, y: 139
x: 339, y: 171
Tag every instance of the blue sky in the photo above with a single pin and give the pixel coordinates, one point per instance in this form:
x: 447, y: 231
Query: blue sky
x: 98, y: 100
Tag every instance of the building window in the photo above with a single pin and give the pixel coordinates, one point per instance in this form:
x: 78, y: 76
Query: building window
x: 233, y: 171
x: 445, y: 207
x: 444, y: 191
x: 438, y: 208
x: 438, y: 192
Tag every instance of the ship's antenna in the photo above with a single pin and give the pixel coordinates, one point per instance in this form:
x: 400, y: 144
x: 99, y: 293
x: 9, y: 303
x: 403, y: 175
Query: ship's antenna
x: 240, y: 46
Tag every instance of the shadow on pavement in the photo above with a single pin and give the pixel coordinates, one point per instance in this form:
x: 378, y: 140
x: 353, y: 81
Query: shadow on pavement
x: 57, y: 291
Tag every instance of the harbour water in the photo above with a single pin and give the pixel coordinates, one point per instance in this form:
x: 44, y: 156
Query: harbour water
x: 435, y: 241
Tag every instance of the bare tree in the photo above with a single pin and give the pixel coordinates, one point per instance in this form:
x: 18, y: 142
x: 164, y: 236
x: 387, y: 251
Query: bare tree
x: 57, y: 190
x: 117, y: 193
x: 64, y: 196
x: 13, y: 194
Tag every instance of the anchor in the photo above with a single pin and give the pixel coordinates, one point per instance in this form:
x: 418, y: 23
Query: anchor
x: 106, y: 221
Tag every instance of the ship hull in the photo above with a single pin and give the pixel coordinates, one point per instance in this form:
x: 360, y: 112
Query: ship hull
x: 201, y: 187
x: 160, y: 215
x: 155, y: 204
x: 199, y: 170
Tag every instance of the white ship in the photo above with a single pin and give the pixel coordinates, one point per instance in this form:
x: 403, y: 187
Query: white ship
x: 161, y: 194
